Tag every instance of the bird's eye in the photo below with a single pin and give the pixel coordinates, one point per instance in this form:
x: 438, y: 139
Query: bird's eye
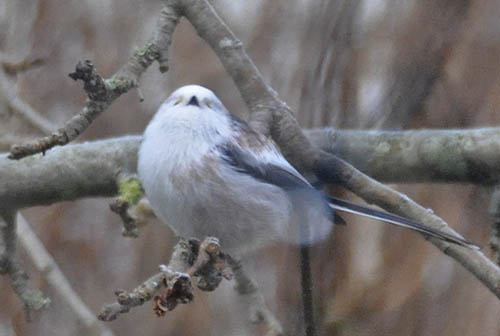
x: 178, y: 101
x: 207, y: 103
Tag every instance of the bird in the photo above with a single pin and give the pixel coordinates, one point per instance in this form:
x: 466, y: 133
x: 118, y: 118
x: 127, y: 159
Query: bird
x: 208, y: 173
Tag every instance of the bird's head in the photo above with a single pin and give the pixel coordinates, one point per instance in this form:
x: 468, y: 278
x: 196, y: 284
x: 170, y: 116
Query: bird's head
x: 195, y: 96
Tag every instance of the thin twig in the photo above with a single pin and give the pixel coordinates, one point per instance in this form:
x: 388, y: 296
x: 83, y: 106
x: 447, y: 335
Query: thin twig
x: 7, y: 140
x: 52, y: 273
x: 22, y: 108
x: 170, y: 275
x: 250, y: 294
x: 191, y: 260
x: 14, y: 68
x: 103, y: 92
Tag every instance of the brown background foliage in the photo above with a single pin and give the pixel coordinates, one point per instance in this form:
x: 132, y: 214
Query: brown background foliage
x: 347, y: 64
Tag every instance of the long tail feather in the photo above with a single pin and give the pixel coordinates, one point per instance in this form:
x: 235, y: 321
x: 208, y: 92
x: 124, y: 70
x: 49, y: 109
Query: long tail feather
x: 346, y: 206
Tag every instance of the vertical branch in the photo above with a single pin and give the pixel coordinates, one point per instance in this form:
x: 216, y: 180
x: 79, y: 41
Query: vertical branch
x: 253, y: 299
x: 495, y: 227
x: 307, y: 290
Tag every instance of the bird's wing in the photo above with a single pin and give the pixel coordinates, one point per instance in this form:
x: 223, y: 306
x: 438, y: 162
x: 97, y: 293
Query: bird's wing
x: 311, y: 209
x: 258, y: 149
x: 253, y: 154
x: 247, y: 162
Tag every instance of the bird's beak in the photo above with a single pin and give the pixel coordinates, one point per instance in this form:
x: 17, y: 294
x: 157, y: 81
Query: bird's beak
x: 193, y: 101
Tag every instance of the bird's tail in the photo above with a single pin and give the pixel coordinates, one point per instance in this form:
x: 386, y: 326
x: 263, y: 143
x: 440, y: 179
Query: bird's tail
x: 342, y: 205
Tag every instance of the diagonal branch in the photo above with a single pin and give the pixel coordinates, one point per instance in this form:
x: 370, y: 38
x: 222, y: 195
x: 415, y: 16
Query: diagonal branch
x: 21, y: 107
x: 103, y: 92
x: 270, y: 113
x: 332, y: 169
x: 169, y: 276
x: 7, y: 140
x: 192, y: 263
x: 51, y: 271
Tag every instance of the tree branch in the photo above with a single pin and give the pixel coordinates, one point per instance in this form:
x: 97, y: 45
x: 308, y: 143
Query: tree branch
x: 70, y: 172
x: 270, y: 115
x: 331, y: 169
x: 450, y: 156
x: 22, y: 108
x: 173, y: 273
x: 275, y: 115
x: 253, y: 299
x: 7, y: 140
x: 103, y: 92
x: 52, y: 273
x: 495, y: 227
x: 32, y: 298
x: 67, y: 173
x: 204, y: 263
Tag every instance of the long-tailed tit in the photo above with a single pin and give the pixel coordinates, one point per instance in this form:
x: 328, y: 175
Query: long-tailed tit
x: 207, y: 173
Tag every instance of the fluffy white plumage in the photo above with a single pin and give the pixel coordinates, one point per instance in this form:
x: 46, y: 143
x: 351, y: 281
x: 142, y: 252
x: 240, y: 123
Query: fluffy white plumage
x: 198, y: 191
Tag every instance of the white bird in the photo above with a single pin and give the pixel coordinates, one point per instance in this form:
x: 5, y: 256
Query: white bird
x: 207, y: 173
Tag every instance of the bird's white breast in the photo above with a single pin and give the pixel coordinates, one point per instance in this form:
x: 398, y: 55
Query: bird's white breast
x: 176, y: 140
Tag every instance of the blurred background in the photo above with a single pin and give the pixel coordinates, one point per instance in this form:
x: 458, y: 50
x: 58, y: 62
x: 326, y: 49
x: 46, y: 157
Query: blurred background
x: 361, y: 64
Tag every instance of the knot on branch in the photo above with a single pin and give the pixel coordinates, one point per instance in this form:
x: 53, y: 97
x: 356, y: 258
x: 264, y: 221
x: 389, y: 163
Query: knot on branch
x: 94, y: 84
x: 179, y: 291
